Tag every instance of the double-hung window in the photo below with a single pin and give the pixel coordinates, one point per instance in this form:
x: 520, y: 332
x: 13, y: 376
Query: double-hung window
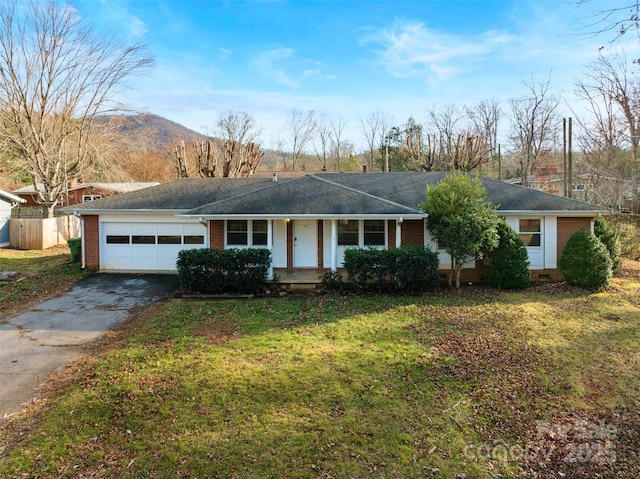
x: 374, y: 233
x: 361, y: 233
x: 530, y: 231
x: 348, y: 233
x: 247, y: 233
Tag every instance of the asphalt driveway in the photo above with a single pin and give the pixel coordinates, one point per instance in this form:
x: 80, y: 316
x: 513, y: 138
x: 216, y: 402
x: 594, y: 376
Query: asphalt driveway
x: 45, y: 339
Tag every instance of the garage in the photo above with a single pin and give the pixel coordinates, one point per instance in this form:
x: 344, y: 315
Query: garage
x: 127, y: 246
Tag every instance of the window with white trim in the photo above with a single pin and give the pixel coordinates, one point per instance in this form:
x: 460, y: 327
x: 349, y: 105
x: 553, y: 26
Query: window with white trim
x: 348, y: 234
x: 374, y: 232
x: 530, y: 231
x: 362, y: 233
x: 87, y: 198
x: 247, y: 233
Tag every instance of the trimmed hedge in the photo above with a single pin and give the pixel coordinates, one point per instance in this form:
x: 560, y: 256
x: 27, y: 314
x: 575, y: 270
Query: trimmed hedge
x: 585, y: 261
x: 402, y: 270
x: 507, y: 265
x: 213, y: 271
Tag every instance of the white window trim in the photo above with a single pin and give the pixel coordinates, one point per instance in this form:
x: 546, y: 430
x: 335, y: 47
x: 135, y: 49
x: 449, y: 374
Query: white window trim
x: 88, y: 198
x: 541, y: 232
x: 361, y: 243
x: 249, y: 236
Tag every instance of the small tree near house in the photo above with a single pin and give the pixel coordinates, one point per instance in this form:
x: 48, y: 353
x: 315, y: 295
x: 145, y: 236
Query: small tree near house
x: 461, y: 217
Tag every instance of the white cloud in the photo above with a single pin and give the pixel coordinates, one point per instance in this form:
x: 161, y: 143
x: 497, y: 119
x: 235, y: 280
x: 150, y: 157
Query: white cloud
x: 410, y: 49
x: 272, y: 64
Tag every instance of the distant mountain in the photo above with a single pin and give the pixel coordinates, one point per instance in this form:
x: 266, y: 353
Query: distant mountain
x: 148, y: 132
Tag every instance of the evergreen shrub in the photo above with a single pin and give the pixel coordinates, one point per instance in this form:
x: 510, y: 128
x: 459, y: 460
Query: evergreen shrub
x: 507, y: 266
x: 585, y: 261
x: 212, y: 271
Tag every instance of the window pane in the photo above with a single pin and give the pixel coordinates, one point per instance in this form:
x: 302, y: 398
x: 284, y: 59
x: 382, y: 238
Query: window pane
x: 259, y: 236
x: 530, y: 231
x: 117, y: 239
x: 530, y: 239
x: 237, y: 232
x: 374, y: 233
x: 169, y: 239
x: 348, y: 233
x: 193, y: 239
x: 143, y: 239
x: 530, y: 225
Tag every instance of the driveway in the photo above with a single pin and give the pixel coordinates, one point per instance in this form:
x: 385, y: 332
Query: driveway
x: 45, y: 339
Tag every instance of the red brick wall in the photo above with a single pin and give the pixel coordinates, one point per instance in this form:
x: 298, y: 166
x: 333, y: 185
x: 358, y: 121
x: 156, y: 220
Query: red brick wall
x: 289, y: 244
x: 216, y: 234
x: 91, y: 241
x: 320, y: 243
x: 412, y: 233
x: 568, y: 226
x: 391, y: 234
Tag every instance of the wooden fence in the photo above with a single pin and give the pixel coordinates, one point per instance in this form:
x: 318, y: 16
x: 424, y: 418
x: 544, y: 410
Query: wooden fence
x: 39, y: 233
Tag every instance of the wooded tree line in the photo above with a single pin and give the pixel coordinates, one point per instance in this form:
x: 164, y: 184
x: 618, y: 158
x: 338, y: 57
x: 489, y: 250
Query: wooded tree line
x: 57, y: 78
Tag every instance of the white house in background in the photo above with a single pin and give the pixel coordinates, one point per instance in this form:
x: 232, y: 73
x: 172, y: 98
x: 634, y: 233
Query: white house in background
x: 7, y: 202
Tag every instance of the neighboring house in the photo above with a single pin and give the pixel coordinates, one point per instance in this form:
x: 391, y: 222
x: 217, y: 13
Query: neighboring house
x: 306, y: 222
x: 7, y: 201
x: 77, y: 193
x: 613, y: 193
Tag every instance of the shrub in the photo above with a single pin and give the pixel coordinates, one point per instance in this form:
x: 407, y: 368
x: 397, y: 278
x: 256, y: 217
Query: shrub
x: 506, y: 266
x: 585, y: 261
x: 211, y: 271
x: 406, y: 270
x: 606, y: 234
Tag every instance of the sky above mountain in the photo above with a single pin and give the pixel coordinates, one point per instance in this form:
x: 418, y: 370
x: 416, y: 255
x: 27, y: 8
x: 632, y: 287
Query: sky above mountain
x: 347, y: 59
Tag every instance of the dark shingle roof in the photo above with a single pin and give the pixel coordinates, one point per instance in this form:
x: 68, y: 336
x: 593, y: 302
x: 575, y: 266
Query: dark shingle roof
x: 310, y: 195
x: 320, y: 194
x: 178, y: 195
x: 409, y: 189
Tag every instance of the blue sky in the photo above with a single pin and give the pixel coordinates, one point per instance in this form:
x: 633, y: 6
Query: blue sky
x: 345, y: 59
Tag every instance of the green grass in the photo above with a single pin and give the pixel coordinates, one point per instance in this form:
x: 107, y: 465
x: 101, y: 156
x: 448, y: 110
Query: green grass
x: 345, y: 387
x: 41, y: 273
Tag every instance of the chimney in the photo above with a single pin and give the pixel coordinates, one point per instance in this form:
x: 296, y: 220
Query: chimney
x: 73, y: 183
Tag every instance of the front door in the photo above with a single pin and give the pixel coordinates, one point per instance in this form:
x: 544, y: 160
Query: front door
x: 305, y: 244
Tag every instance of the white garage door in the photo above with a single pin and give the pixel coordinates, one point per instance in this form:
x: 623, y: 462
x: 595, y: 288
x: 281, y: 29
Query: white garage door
x: 147, y: 246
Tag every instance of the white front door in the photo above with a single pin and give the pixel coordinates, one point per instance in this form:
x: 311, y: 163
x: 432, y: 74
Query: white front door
x: 305, y: 244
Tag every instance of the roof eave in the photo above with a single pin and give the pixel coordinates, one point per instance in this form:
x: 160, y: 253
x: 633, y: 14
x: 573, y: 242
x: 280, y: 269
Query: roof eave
x: 580, y: 213
x: 328, y: 216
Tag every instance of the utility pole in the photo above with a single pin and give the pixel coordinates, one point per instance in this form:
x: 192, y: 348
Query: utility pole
x: 564, y: 155
x: 570, y: 161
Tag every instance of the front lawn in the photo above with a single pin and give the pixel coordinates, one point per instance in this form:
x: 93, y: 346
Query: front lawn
x: 40, y: 274
x: 538, y: 383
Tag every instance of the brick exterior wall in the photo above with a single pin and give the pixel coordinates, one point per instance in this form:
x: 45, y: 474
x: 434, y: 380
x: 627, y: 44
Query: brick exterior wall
x: 412, y: 233
x: 568, y: 226
x: 289, y: 244
x: 91, y: 241
x: 320, y: 243
x: 216, y: 234
x: 391, y: 234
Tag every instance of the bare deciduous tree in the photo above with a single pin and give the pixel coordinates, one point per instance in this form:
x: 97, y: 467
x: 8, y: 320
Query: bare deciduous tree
x: 485, y: 116
x: 301, y: 127
x: 375, y: 127
x: 323, y: 140
x: 611, y: 91
x: 533, y: 124
x: 56, y: 76
x: 337, y: 140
